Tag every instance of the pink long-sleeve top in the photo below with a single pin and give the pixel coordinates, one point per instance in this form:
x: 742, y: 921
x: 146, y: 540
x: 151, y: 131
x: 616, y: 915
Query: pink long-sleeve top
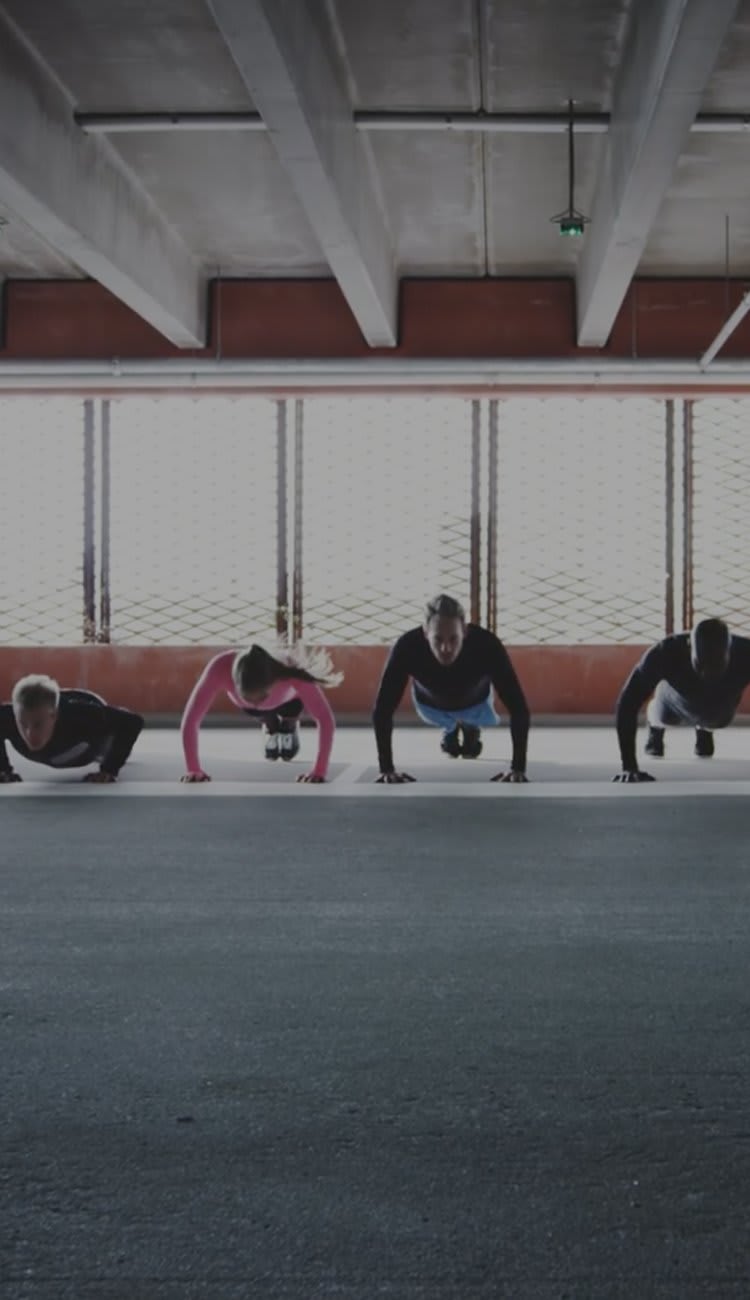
x: 217, y: 676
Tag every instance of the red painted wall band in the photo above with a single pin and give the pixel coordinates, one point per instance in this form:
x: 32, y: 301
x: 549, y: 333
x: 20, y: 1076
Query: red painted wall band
x: 285, y: 319
x: 583, y: 680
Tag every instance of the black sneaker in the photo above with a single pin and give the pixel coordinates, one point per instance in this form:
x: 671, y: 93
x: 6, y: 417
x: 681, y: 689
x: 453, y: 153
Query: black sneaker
x: 704, y: 743
x: 655, y: 742
x: 289, y: 742
x: 451, y: 744
x: 472, y: 745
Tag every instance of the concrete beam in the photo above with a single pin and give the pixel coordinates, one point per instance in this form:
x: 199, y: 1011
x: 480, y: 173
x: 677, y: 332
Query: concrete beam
x: 74, y: 193
x: 293, y: 79
x: 670, y: 51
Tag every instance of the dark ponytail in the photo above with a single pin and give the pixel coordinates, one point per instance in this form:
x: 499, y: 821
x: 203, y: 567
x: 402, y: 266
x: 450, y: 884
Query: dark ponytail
x: 444, y: 607
x: 257, y: 669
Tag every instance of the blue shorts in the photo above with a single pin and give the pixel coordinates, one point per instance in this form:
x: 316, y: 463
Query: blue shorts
x: 475, y: 715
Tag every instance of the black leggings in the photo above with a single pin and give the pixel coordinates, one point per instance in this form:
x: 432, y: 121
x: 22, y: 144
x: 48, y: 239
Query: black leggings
x: 274, y: 719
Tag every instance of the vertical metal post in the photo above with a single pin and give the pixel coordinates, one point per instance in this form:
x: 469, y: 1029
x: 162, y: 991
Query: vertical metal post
x: 476, y: 522
x: 89, y: 547
x: 299, y: 417
x: 282, y: 571
x: 104, y: 525
x: 687, y: 499
x: 669, y: 518
x: 492, y: 485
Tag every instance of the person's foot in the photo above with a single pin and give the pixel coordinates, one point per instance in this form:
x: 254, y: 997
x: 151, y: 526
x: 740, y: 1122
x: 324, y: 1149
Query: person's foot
x: 704, y: 743
x: 472, y: 742
x: 289, y: 742
x: 451, y: 744
x: 655, y: 742
x: 272, y: 744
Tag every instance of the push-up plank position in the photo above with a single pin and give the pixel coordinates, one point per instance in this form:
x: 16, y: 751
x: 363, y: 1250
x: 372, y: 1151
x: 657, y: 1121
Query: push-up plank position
x: 65, y: 728
x: 272, y: 688
x: 453, y: 666
x: 695, y: 678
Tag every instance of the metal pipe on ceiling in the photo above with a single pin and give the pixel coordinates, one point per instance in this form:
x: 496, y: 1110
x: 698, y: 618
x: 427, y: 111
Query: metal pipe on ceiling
x: 136, y: 123
x: 528, y: 123
x: 399, y: 373
x: 482, y: 123
x: 472, y: 123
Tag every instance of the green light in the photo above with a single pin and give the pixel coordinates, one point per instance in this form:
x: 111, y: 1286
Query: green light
x: 571, y: 227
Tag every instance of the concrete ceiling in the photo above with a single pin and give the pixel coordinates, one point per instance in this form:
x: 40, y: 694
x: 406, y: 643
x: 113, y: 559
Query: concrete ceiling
x: 312, y: 189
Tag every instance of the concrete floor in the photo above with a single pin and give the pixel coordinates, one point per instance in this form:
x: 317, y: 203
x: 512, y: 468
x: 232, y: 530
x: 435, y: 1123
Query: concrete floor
x: 299, y: 1048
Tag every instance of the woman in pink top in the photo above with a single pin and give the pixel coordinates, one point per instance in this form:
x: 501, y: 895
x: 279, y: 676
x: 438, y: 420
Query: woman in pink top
x: 274, y: 688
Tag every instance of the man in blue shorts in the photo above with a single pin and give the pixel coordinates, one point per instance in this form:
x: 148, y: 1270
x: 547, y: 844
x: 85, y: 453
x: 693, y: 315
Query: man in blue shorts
x: 453, y: 666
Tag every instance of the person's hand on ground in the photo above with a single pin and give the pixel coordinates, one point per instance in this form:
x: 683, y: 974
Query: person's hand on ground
x: 193, y: 778
x: 511, y: 778
x: 394, y: 778
x: 311, y: 778
x: 632, y: 776
x: 6, y: 778
x: 100, y: 778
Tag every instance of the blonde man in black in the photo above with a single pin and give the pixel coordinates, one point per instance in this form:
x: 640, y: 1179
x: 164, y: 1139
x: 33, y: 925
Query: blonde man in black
x: 65, y: 728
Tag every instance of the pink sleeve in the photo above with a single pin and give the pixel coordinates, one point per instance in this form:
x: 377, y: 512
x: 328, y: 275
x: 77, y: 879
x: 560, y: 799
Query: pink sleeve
x: 216, y: 677
x: 318, y: 707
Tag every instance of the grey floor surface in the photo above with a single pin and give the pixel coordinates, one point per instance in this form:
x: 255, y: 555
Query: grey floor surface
x: 562, y: 755
x: 427, y: 1049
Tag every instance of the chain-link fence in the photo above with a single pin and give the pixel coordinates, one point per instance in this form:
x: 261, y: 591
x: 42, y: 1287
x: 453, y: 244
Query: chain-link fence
x: 193, y: 520
x: 719, y: 489
x: 386, y: 513
x: 42, y: 520
x: 580, y: 501
x: 182, y: 520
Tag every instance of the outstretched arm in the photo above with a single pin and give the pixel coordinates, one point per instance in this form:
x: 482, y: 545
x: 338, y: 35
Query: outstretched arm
x: 510, y: 692
x: 124, y: 727
x: 318, y: 707
x: 392, y: 686
x: 7, y: 728
x: 216, y: 676
x: 641, y: 683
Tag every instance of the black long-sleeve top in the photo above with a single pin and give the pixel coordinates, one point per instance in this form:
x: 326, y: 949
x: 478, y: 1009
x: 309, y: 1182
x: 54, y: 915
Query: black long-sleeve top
x: 83, y: 730
x: 482, y: 663
x: 669, y: 661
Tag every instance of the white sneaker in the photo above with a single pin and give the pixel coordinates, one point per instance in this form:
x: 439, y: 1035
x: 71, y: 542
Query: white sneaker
x: 289, y: 744
x: 272, y: 744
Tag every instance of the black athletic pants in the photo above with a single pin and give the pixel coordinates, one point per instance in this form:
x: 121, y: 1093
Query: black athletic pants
x: 275, y: 719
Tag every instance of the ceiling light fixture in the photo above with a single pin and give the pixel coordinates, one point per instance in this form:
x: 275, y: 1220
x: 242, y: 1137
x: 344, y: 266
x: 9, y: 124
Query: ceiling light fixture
x: 571, y: 222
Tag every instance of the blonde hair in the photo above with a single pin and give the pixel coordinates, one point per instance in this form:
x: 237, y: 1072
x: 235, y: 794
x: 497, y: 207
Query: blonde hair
x: 258, y: 667
x: 36, y: 691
